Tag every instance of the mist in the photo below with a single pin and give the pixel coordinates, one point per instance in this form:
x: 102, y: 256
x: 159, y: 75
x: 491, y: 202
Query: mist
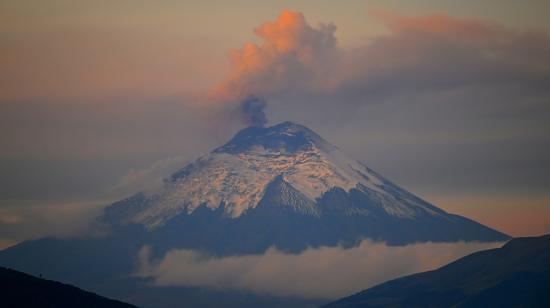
x: 325, y: 272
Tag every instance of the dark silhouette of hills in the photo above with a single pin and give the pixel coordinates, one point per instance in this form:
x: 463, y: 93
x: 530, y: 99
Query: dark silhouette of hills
x: 516, y: 275
x: 22, y: 290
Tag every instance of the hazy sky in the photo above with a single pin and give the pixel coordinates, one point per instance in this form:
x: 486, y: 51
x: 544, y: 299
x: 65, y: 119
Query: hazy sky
x: 450, y: 99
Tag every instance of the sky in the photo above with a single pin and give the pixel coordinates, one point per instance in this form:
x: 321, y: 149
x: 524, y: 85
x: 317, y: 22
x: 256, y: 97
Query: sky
x: 98, y: 100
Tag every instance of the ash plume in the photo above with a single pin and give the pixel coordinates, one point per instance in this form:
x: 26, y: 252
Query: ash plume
x: 252, y: 111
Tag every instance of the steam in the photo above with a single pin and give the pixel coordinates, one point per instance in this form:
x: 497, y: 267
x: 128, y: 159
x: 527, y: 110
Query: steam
x: 252, y: 110
x: 292, y: 55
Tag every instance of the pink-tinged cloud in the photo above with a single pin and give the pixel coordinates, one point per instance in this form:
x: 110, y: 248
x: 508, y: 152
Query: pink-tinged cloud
x: 437, y: 24
x: 435, y: 51
x: 291, y: 55
x: 439, y: 53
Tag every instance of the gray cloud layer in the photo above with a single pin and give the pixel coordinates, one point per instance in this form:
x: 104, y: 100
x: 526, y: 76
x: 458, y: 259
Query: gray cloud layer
x: 326, y: 272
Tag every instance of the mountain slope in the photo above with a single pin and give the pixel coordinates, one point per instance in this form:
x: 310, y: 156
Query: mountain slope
x: 22, y: 290
x: 518, y: 274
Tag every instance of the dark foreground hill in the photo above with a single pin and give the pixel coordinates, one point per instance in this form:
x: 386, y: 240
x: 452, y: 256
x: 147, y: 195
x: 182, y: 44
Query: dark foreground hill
x: 22, y: 290
x: 516, y: 275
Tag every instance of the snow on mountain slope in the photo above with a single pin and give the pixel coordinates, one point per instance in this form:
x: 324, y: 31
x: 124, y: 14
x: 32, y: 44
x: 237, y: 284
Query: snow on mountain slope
x: 236, y: 175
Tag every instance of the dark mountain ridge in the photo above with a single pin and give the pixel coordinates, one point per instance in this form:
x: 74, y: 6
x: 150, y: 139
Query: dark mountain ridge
x: 515, y: 275
x: 22, y: 290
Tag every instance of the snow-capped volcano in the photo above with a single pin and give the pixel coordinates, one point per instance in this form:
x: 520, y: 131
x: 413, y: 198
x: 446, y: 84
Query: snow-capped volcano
x: 267, y: 176
x: 236, y: 175
x: 280, y: 187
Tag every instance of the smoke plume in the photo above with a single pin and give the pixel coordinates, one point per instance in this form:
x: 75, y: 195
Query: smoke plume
x: 293, y: 54
x: 252, y: 110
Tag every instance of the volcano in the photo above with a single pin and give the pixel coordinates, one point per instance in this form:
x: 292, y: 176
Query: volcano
x: 282, y: 186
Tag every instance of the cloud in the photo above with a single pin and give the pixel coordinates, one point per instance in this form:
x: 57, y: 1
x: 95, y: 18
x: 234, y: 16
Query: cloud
x: 424, y: 57
x: 252, y: 109
x: 326, y: 272
x: 439, y: 59
x: 148, y: 179
x: 292, y: 55
x: 31, y: 219
x: 436, y: 24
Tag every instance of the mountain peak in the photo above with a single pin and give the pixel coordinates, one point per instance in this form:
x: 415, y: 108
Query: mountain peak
x: 286, y: 137
x: 290, y: 127
x: 288, y: 168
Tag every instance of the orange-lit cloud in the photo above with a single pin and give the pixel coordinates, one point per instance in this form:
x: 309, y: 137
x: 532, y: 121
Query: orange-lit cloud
x: 291, y: 55
x: 436, y: 24
x: 295, y: 58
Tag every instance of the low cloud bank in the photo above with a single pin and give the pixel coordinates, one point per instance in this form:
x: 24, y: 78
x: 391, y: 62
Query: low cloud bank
x: 34, y: 219
x: 326, y: 272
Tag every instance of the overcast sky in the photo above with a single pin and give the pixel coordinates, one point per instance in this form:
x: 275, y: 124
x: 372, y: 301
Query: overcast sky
x: 449, y: 99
